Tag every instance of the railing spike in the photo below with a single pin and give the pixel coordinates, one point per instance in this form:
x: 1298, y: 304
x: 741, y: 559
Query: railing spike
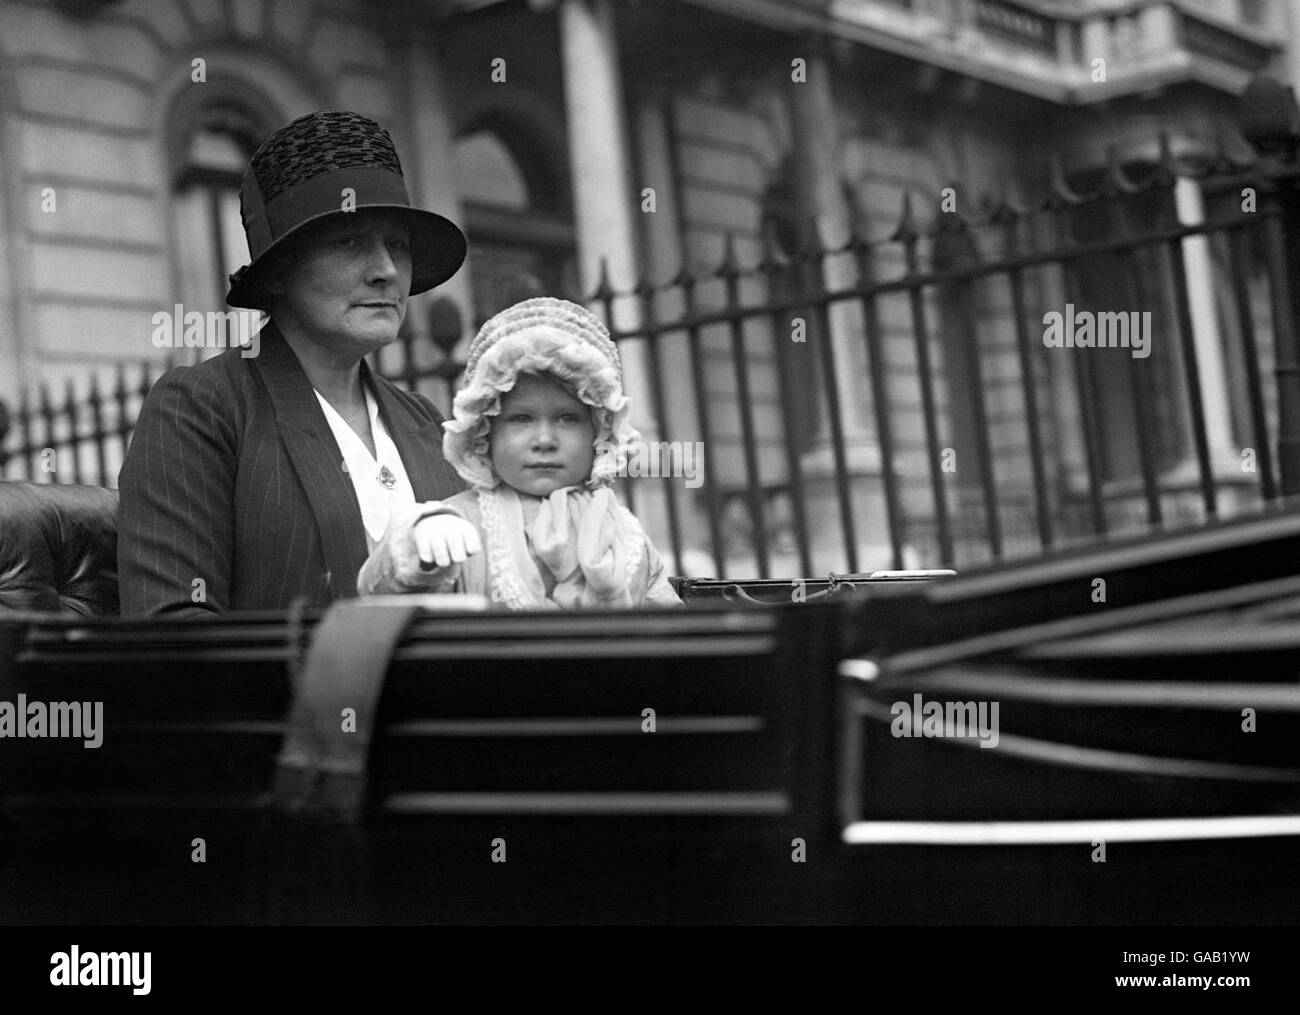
x: 643, y: 286
x: 1006, y: 210
x: 1116, y: 178
x: 604, y: 291
x: 1167, y: 166
x: 683, y: 278
x: 773, y: 258
x: 811, y: 248
x: 1061, y: 190
x: 905, y: 231
x: 954, y: 221
x: 1227, y: 145
x: 1166, y: 150
x: 729, y: 267
x: 857, y: 240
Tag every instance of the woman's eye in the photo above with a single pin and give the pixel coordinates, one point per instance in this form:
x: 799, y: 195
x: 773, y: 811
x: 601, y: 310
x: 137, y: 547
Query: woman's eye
x: 400, y: 244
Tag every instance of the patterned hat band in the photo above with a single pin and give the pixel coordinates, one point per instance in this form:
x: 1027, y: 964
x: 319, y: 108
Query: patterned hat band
x: 368, y: 186
x: 327, y: 164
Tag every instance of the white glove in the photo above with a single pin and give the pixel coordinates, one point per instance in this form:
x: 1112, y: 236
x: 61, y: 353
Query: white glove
x: 445, y: 540
x: 420, y: 551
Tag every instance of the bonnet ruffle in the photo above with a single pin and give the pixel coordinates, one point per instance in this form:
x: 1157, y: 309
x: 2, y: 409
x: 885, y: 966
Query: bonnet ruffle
x: 542, y: 335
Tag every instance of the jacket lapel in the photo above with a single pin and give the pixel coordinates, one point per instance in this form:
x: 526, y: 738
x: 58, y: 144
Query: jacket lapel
x: 316, y: 459
x: 418, y: 441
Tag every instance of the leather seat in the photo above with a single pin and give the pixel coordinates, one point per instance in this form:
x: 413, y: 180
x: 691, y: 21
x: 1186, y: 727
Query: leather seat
x: 58, y: 548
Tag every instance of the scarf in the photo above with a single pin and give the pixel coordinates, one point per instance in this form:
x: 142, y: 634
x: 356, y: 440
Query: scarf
x: 587, y: 541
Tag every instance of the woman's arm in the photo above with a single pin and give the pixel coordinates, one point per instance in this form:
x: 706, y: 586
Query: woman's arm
x: 176, y: 517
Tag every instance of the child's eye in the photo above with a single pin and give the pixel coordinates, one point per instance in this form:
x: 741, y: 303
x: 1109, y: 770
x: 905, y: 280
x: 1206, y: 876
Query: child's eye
x: 518, y: 417
x: 570, y: 417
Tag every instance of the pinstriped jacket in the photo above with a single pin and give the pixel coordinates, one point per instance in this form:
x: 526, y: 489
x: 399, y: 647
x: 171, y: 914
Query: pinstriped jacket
x: 234, y: 477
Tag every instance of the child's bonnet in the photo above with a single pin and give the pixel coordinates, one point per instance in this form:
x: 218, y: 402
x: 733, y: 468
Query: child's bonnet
x: 593, y: 547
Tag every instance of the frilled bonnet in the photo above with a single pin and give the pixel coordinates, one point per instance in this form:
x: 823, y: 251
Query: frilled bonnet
x: 539, y: 336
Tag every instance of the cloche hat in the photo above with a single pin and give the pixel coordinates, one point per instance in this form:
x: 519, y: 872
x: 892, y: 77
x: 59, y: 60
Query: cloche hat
x: 302, y: 174
x: 539, y: 336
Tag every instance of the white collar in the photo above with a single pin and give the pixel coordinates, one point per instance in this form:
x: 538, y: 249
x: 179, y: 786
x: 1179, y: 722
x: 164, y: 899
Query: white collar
x: 375, y: 497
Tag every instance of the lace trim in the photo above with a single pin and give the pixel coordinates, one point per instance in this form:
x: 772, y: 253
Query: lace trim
x: 634, y: 543
x: 505, y: 585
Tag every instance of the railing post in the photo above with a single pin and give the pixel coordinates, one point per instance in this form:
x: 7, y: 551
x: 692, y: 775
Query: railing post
x: 1271, y: 122
x: 6, y: 420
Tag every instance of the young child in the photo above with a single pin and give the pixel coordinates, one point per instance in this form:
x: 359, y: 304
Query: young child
x: 536, y: 434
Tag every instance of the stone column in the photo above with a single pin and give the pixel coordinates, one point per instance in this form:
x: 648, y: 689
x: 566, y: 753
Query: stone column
x: 1210, y: 363
x: 821, y: 199
x: 432, y: 179
x: 1289, y: 28
x: 603, y: 200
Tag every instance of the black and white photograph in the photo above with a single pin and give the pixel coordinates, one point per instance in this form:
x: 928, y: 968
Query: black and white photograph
x: 651, y: 464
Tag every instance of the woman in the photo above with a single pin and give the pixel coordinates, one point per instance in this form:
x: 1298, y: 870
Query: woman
x: 252, y: 482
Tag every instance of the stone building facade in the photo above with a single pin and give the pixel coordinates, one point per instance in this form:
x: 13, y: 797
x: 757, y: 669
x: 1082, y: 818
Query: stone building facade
x: 567, y: 134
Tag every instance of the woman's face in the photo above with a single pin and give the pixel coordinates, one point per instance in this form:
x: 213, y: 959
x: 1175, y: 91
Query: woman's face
x: 347, y: 284
x: 543, y: 439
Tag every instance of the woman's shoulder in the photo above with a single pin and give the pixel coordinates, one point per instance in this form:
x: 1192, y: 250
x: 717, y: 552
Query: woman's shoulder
x: 201, y: 393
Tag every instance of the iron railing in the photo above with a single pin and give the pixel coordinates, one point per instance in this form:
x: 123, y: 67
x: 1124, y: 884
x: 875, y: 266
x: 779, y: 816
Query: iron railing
x: 890, y: 401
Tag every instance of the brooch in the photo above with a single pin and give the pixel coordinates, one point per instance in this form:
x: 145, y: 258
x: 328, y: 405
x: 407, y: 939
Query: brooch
x: 386, y: 477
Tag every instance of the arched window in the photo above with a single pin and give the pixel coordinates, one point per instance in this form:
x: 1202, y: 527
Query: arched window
x: 210, y: 144
x: 517, y: 220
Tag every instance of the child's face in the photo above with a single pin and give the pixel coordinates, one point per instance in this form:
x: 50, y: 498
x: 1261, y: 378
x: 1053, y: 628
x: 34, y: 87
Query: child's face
x: 543, y: 439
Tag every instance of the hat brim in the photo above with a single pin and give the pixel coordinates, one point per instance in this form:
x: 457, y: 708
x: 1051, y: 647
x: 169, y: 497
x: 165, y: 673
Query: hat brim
x: 438, y: 250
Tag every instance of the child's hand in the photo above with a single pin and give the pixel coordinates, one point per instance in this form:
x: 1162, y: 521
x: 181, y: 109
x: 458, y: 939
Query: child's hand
x: 418, y: 552
x: 443, y: 540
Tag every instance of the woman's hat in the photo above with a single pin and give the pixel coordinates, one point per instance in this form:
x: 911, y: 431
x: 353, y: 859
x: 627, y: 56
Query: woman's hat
x: 325, y: 164
x: 542, y: 335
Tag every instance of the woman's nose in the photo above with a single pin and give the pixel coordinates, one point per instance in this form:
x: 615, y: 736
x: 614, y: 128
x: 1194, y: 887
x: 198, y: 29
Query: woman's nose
x: 382, y: 264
